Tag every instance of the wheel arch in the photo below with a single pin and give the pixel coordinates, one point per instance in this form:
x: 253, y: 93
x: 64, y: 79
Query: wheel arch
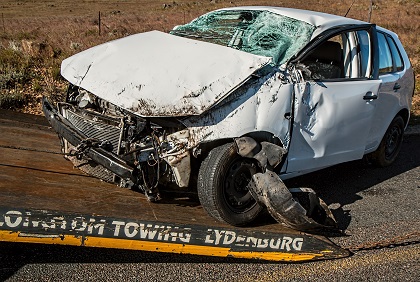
x: 405, y: 114
x: 390, y: 145
x: 205, y: 147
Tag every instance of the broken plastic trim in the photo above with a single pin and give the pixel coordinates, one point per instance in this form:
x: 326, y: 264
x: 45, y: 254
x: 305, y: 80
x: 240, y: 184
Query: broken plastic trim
x: 267, y: 154
x: 270, y: 191
x: 297, y: 208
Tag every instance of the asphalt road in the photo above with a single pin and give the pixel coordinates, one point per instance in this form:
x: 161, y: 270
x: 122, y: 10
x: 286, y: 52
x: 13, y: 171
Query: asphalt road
x: 371, y: 204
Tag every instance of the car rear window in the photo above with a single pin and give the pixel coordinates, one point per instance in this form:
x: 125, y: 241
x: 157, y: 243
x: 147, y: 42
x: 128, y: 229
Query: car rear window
x: 385, y: 58
x: 398, y: 62
x: 390, y: 59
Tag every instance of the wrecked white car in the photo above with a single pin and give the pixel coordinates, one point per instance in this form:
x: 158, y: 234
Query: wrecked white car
x: 228, y: 105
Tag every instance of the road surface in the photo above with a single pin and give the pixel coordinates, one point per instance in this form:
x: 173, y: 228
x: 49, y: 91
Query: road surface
x: 371, y: 204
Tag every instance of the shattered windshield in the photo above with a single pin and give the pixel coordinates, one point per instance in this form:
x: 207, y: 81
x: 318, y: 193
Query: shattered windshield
x: 258, y: 32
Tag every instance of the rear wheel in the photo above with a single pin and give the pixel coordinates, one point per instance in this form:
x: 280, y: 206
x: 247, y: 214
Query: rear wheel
x: 222, y: 186
x: 390, y: 145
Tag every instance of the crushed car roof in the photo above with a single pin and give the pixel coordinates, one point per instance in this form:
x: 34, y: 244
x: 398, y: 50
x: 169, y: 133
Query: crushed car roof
x: 321, y: 21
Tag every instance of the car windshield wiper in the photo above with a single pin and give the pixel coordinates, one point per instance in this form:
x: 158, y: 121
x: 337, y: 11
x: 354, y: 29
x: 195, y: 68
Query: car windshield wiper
x: 194, y: 35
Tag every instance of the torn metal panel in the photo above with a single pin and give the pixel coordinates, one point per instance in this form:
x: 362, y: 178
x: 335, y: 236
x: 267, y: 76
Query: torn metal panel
x: 158, y: 74
x: 251, y: 108
x: 267, y: 154
x: 270, y: 191
x: 181, y: 167
x: 178, y: 156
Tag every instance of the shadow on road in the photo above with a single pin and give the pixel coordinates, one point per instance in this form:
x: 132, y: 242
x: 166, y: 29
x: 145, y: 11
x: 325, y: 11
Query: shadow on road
x: 346, y: 183
x: 14, y: 256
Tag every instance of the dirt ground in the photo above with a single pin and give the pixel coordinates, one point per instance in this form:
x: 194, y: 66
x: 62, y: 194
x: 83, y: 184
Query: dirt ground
x: 36, y: 35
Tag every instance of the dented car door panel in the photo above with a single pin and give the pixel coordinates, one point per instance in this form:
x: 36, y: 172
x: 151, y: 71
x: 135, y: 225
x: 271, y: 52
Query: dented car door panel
x: 334, y: 110
x: 327, y: 116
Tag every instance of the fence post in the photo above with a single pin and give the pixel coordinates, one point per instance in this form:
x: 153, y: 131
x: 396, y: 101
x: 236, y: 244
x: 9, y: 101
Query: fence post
x: 2, y: 18
x: 99, y: 22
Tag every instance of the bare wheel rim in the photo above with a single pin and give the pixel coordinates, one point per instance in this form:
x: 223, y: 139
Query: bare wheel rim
x: 393, y: 141
x: 235, y: 185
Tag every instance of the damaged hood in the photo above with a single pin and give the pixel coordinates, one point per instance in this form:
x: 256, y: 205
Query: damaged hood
x: 158, y: 74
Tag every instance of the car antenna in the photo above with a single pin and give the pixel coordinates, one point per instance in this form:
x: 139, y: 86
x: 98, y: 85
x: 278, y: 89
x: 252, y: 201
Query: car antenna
x: 349, y: 8
x: 370, y: 10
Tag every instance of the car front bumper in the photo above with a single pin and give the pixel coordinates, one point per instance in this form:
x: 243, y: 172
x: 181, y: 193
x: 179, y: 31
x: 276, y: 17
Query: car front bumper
x: 66, y: 130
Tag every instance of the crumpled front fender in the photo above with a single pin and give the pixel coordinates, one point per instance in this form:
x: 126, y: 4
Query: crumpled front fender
x: 287, y: 206
x: 297, y: 208
x: 267, y: 154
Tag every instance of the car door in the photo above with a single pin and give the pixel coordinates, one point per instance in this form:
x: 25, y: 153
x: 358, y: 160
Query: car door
x: 391, y: 93
x: 335, y: 102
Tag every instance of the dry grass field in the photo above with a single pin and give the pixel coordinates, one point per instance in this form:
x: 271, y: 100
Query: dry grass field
x: 36, y: 35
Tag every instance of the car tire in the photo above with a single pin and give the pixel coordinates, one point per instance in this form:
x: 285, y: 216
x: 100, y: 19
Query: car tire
x: 390, y: 145
x: 222, y: 186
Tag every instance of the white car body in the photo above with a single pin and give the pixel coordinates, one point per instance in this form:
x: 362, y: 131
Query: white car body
x: 219, y: 93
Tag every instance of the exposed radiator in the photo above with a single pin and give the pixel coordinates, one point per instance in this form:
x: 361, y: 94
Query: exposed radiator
x: 98, y: 130
x: 95, y: 129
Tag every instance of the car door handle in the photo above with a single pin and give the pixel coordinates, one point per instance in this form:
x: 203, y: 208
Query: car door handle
x: 396, y: 86
x: 370, y: 96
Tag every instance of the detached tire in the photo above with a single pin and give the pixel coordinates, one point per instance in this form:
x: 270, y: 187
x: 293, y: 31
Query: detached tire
x: 390, y: 145
x: 222, y: 186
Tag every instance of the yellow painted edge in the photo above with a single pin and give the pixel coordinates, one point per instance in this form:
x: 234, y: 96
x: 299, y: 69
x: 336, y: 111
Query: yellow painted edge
x: 194, y: 249
x: 13, y: 236
x: 156, y: 247
x: 276, y: 256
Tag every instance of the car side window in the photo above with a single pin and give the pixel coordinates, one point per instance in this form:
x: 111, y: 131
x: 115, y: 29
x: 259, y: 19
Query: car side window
x: 396, y: 55
x: 363, y: 39
x: 344, y: 56
x: 385, y: 58
x: 326, y: 61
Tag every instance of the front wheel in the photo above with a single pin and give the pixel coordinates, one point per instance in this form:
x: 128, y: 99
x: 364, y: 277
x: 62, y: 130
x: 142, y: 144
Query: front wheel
x: 390, y: 145
x: 222, y: 186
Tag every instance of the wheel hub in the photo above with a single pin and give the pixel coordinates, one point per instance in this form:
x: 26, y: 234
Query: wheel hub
x: 238, y: 177
x: 392, y: 141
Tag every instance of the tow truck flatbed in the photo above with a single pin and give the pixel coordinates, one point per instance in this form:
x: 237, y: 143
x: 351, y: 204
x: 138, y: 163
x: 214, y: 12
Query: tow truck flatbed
x: 45, y: 200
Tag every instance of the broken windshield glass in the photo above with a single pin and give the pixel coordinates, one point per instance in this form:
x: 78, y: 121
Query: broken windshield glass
x: 258, y: 32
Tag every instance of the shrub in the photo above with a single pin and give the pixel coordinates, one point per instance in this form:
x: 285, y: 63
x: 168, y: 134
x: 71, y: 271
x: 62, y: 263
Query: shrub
x: 14, y: 68
x: 12, y: 100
